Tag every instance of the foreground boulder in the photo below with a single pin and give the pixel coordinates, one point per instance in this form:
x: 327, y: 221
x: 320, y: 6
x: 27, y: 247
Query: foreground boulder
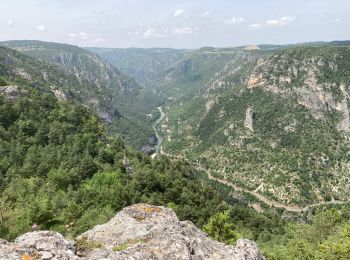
x: 38, y: 245
x: 137, y: 232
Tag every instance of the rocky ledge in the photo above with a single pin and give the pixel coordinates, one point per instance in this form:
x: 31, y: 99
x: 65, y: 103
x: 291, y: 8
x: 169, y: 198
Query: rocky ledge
x: 12, y: 92
x: 137, y: 232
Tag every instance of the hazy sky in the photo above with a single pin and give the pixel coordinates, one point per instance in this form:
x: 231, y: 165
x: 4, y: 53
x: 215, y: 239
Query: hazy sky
x: 172, y: 23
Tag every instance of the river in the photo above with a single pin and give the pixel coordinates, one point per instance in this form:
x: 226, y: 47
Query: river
x: 156, y: 131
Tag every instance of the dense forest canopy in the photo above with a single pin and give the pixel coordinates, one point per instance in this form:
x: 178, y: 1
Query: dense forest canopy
x: 58, y: 167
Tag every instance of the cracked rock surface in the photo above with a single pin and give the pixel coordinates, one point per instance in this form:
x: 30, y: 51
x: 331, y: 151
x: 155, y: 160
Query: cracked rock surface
x: 139, y: 231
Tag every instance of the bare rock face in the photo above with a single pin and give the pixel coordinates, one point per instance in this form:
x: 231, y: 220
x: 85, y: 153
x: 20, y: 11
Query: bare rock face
x: 59, y: 94
x: 304, y: 79
x: 137, y: 232
x: 147, y: 232
x: 38, y: 245
x: 249, y: 119
x: 11, y: 92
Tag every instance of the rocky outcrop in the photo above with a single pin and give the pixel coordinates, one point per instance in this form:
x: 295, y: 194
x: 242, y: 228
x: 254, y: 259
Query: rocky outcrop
x: 147, y: 232
x: 148, y: 149
x: 257, y: 79
x: 137, y: 232
x: 38, y: 245
x: 59, y: 94
x: 343, y: 108
x: 249, y: 119
x: 307, y: 80
x: 12, y: 91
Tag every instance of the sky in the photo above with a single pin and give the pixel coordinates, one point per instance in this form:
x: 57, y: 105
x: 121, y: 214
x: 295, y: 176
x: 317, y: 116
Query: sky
x: 174, y: 23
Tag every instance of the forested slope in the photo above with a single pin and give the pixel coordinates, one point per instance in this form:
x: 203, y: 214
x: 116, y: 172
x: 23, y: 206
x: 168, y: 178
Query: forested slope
x: 117, y: 98
x: 278, y: 125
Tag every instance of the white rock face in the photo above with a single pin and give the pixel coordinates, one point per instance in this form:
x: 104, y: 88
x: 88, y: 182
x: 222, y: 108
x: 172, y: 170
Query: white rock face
x: 11, y: 91
x: 137, y: 232
x: 59, y: 94
x: 22, y: 73
x: 40, y: 244
x: 343, y: 107
x: 314, y: 95
x: 249, y: 120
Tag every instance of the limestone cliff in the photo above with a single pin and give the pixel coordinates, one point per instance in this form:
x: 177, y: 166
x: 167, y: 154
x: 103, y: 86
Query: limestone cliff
x: 319, y: 81
x: 249, y: 119
x: 137, y: 232
x: 276, y: 123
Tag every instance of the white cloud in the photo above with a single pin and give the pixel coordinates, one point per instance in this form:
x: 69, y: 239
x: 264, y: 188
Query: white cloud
x: 182, y: 31
x: 41, y: 28
x: 10, y: 23
x: 79, y: 35
x: 179, y: 12
x: 255, y: 26
x: 205, y: 13
x: 284, y: 20
x: 93, y: 37
x: 336, y: 20
x: 152, y: 33
x: 98, y: 40
x: 83, y: 35
x: 234, y: 20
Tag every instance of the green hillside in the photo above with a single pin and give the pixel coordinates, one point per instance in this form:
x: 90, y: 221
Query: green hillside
x: 58, y: 167
x: 60, y: 171
x: 105, y: 89
x: 277, y: 125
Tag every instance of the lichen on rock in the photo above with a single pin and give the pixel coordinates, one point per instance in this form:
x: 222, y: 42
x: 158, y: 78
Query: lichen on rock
x: 139, y: 231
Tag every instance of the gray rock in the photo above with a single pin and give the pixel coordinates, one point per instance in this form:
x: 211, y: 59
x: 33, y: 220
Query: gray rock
x: 11, y: 91
x: 147, y: 232
x: 139, y: 231
x: 148, y: 149
x: 40, y: 244
x: 301, y: 79
x: 249, y: 119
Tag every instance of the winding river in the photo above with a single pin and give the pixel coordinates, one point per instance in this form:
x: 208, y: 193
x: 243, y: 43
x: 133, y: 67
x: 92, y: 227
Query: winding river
x: 156, y: 131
